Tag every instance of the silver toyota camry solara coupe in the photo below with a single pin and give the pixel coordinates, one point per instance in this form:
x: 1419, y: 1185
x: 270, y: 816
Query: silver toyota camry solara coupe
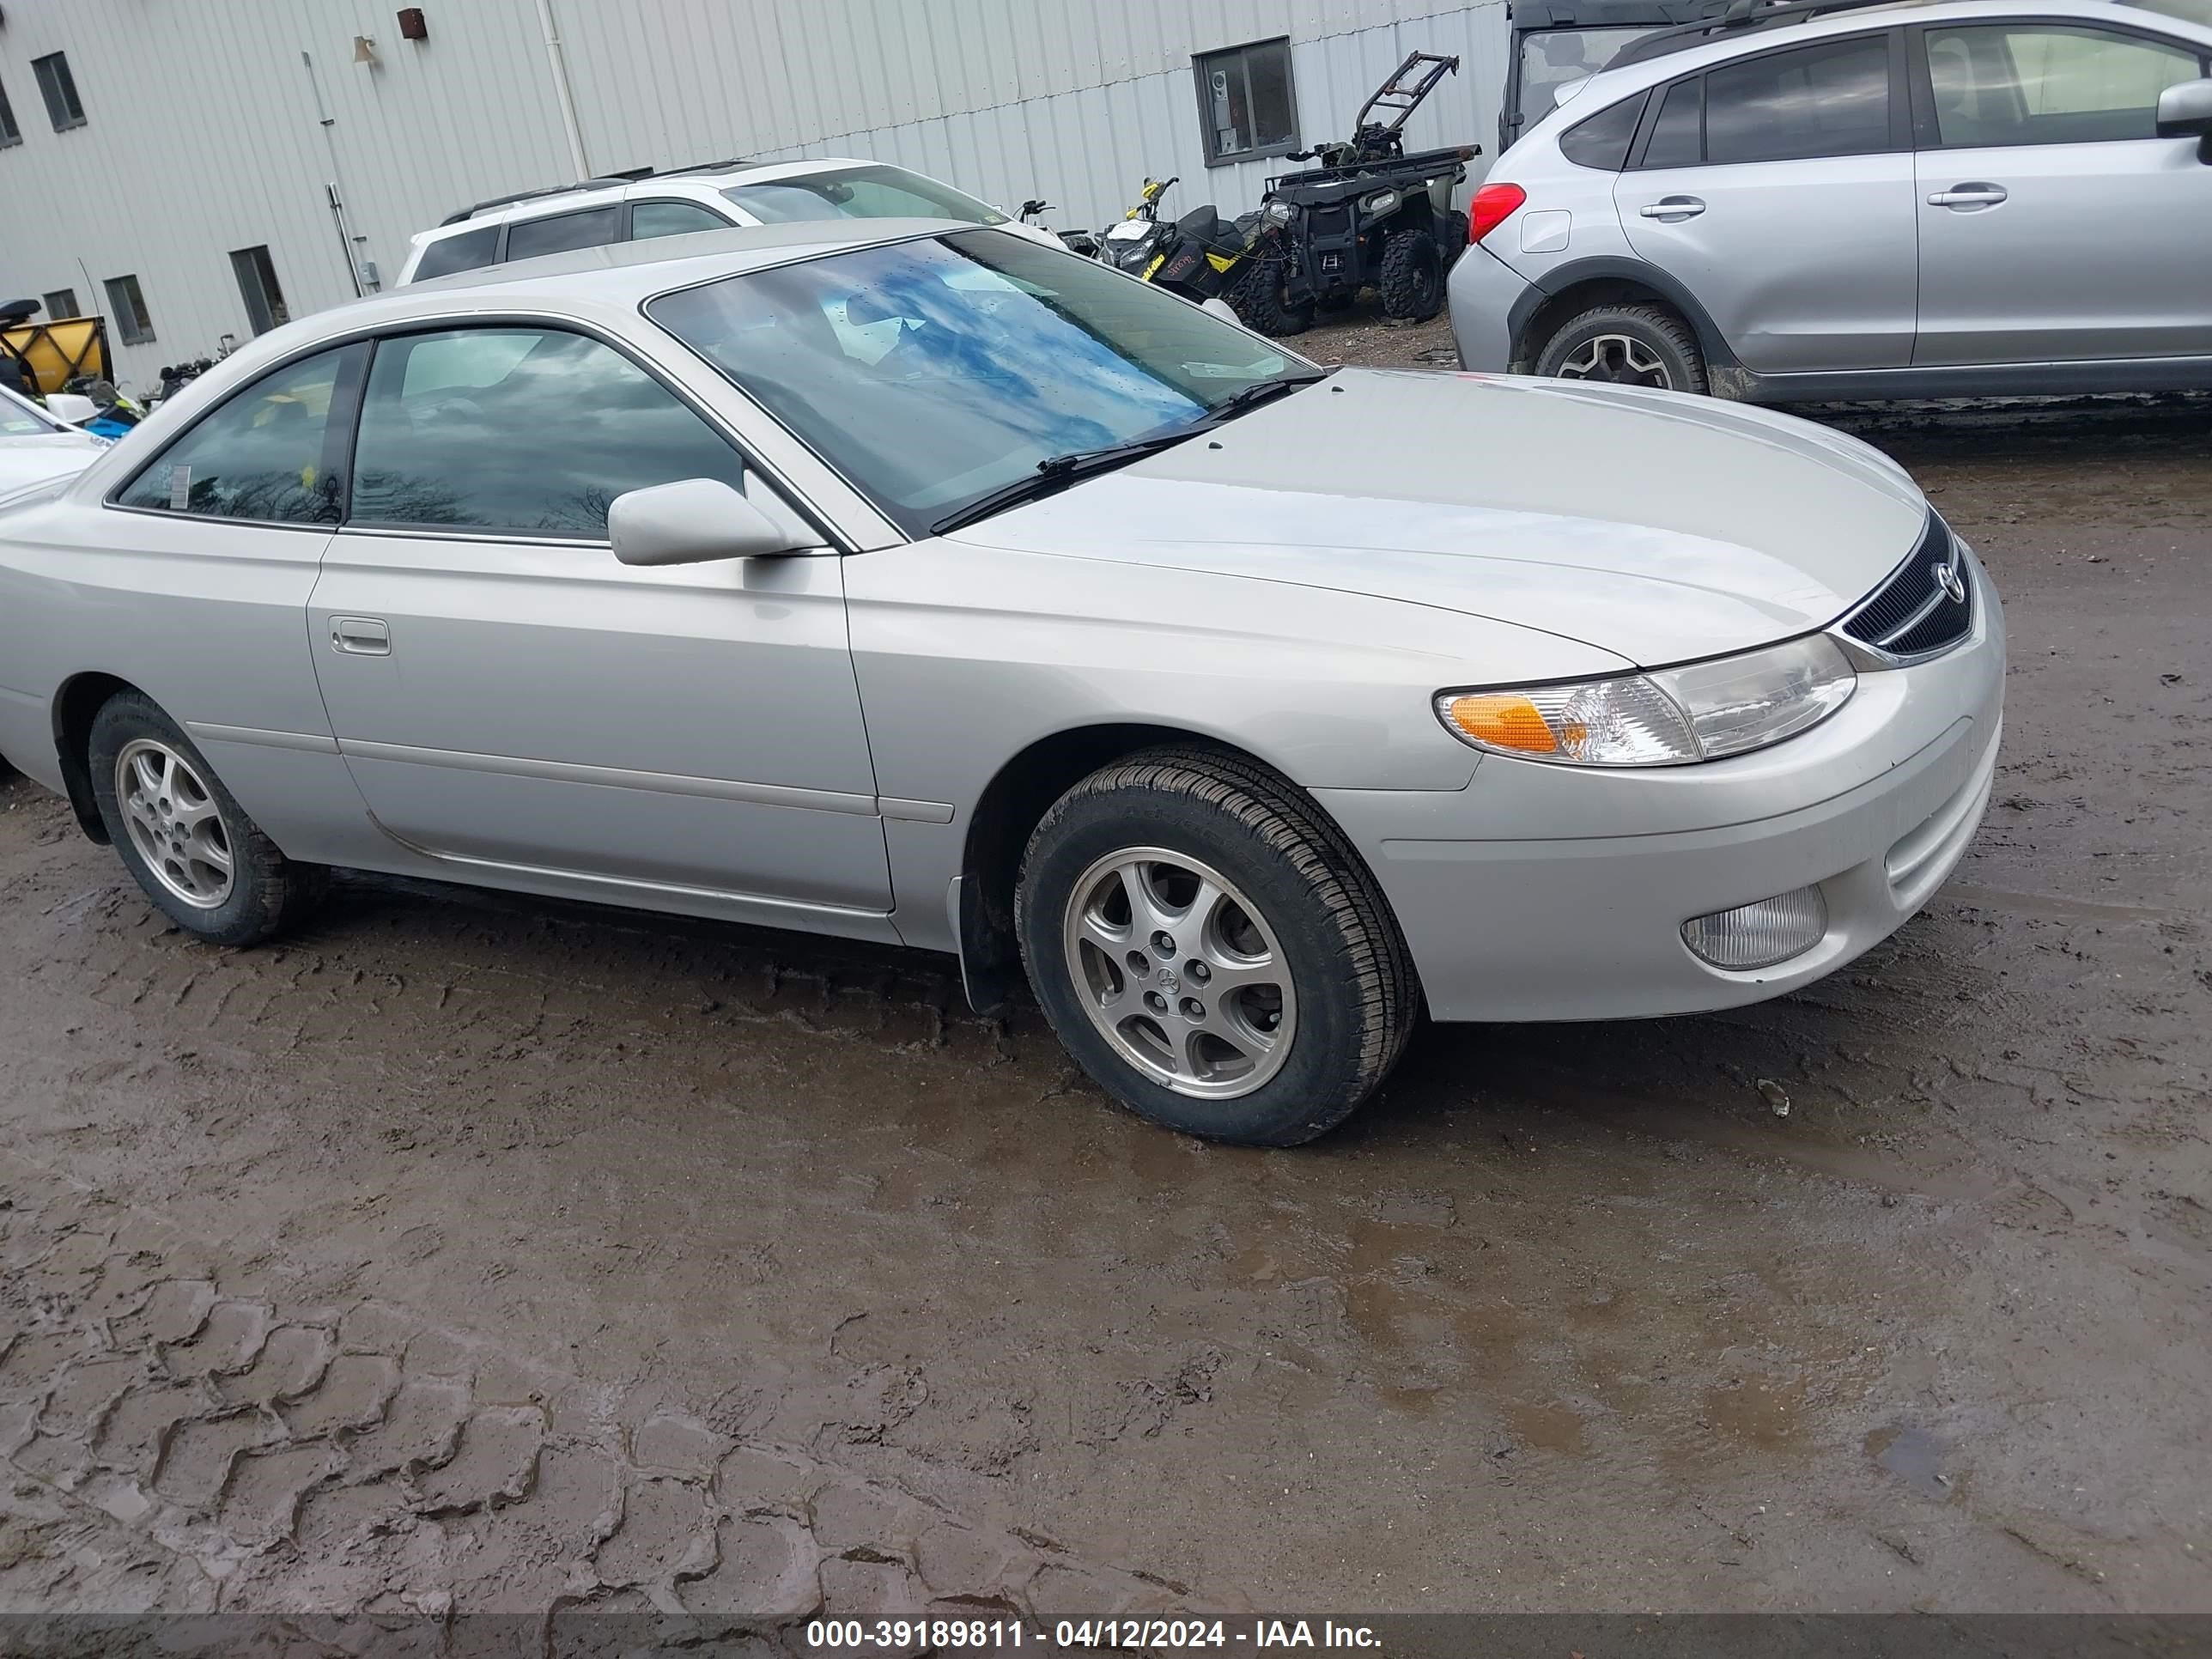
x: 923, y: 584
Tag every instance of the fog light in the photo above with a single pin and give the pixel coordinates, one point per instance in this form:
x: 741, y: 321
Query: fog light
x: 1759, y: 935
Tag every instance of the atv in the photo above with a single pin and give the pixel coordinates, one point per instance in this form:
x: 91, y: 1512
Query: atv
x: 1369, y: 216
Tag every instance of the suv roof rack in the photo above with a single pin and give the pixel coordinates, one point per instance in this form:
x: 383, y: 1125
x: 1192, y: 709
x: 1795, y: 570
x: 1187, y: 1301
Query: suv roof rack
x: 609, y: 183
x: 709, y: 166
x: 1733, y: 17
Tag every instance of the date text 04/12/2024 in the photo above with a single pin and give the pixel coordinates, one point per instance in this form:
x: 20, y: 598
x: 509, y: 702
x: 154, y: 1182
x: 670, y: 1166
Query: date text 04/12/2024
x: 906, y: 1635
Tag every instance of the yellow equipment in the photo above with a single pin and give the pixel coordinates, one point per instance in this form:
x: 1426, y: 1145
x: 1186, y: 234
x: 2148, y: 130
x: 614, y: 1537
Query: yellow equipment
x: 55, y: 353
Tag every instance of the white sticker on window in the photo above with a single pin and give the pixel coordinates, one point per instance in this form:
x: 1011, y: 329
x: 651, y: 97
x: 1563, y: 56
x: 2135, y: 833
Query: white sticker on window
x: 180, y: 489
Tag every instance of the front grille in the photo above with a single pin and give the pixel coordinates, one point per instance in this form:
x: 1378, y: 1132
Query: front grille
x: 1328, y: 221
x: 1913, y: 614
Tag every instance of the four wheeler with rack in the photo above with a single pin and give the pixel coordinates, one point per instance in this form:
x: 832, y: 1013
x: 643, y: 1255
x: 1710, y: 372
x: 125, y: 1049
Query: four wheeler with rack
x: 1369, y: 216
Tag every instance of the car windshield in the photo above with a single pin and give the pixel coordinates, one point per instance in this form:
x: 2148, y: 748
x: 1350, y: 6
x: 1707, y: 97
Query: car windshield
x: 20, y: 419
x: 934, y: 371
x: 870, y: 192
x: 1550, y: 58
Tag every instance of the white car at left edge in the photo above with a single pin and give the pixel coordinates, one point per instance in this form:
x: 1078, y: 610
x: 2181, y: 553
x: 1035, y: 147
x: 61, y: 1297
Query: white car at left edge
x: 36, y: 448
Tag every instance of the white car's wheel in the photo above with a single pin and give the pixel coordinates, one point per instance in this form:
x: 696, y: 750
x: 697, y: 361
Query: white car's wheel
x: 1211, y: 950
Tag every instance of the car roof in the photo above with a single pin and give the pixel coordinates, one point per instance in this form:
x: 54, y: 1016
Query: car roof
x: 712, y: 177
x: 626, y: 272
x: 1603, y: 88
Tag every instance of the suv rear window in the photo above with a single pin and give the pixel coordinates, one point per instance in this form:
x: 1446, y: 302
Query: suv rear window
x: 1602, y: 141
x: 464, y: 252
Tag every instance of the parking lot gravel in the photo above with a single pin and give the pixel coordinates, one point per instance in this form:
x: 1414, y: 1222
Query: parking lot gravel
x: 467, y: 1253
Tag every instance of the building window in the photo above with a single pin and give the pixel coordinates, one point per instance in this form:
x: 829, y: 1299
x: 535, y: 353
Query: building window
x: 127, y: 301
x: 61, y: 303
x: 10, y: 133
x: 58, y: 87
x: 257, y: 284
x: 1246, y: 108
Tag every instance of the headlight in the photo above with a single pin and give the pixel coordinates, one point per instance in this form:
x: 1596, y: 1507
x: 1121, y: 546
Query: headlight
x: 1668, y: 717
x: 1276, y: 213
x: 1380, y: 202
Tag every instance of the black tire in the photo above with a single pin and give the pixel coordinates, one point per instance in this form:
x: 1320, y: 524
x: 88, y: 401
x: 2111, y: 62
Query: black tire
x: 267, y: 893
x: 1356, y: 996
x: 1412, y: 280
x: 1259, y: 299
x: 1655, y: 348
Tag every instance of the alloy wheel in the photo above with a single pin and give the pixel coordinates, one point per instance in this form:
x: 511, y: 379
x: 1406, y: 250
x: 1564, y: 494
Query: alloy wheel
x: 1180, y: 972
x: 1620, y: 359
x: 175, y: 822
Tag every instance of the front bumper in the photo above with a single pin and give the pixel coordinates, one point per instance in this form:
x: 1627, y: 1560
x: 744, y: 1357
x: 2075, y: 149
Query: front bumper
x: 1551, y: 893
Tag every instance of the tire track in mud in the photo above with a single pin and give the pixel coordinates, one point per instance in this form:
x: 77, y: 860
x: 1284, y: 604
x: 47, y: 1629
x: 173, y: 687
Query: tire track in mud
x: 355, y: 1457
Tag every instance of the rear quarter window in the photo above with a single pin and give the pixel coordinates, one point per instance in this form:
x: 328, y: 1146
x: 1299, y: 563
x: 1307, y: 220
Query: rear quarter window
x: 464, y: 251
x: 1603, y: 140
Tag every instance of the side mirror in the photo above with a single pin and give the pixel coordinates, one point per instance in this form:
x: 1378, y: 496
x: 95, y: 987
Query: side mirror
x: 73, y: 408
x: 1220, y: 307
x: 692, y: 522
x: 2184, y: 111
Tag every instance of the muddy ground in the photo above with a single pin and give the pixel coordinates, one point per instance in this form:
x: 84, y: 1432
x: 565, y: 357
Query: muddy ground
x: 470, y: 1253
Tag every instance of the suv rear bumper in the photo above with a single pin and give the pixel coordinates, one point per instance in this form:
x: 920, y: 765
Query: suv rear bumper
x: 1482, y: 292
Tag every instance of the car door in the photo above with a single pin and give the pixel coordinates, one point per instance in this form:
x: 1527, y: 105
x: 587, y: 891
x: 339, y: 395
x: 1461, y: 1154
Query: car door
x: 2055, y: 224
x: 204, y: 574
x: 1778, y: 189
x: 506, y: 693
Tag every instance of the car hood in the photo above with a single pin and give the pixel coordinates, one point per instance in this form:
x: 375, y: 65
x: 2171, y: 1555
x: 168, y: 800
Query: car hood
x: 51, y: 455
x: 1657, y: 526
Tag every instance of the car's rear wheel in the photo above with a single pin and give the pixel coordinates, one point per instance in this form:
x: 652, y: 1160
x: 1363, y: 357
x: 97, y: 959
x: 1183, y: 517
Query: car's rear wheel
x: 1626, y: 346
x: 1211, y: 951
x: 183, y: 835
x: 1412, y: 277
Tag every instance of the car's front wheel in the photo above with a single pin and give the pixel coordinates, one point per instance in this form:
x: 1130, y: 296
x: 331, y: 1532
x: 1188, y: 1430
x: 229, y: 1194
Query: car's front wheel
x: 1211, y: 951
x: 191, y: 845
x: 1626, y: 346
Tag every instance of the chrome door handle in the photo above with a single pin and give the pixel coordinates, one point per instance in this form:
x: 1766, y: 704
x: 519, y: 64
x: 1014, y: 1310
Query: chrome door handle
x: 1670, y: 210
x: 360, y: 636
x: 1969, y: 196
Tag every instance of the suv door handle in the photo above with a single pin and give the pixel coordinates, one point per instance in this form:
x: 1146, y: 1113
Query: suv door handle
x: 1673, y: 209
x: 360, y: 636
x: 1969, y: 196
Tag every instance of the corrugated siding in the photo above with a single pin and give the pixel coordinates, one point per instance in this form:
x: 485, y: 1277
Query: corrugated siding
x: 203, y: 133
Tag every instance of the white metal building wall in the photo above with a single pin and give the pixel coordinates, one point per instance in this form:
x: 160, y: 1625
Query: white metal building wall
x: 204, y: 132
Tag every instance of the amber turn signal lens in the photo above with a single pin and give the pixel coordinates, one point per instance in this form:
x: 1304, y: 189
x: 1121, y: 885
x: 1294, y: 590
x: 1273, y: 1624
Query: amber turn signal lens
x: 1503, y: 719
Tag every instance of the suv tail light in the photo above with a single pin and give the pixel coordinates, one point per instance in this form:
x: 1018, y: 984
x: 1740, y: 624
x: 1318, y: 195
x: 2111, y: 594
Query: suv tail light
x: 1492, y: 206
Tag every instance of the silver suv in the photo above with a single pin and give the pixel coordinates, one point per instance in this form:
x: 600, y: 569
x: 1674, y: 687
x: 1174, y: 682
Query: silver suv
x: 601, y: 211
x: 1968, y: 198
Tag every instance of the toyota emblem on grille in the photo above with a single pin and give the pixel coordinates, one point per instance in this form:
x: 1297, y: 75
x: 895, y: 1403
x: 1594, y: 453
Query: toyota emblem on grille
x: 1948, y: 579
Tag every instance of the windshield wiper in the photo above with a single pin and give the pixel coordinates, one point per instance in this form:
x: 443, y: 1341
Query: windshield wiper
x: 1261, y: 391
x: 1056, y: 472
